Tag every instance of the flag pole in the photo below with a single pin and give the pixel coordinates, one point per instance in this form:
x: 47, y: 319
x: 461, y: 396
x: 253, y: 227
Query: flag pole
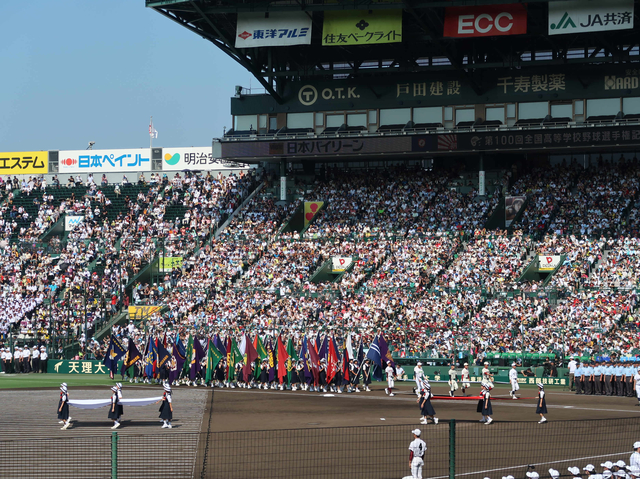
x: 151, y: 133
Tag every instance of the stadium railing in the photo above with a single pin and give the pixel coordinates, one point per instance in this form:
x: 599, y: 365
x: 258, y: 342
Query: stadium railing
x: 463, y: 449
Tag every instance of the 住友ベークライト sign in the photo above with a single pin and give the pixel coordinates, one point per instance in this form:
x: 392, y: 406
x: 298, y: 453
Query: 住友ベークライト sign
x: 361, y: 27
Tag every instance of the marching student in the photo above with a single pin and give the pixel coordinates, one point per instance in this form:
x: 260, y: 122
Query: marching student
x: 466, y: 379
x: 35, y: 360
x: 120, y: 408
x: 114, y: 409
x: 541, y: 407
x: 63, y: 407
x: 43, y: 359
x: 366, y: 375
x: 513, y: 379
x: 166, y: 408
x: 296, y: 370
x: 391, y: 374
x: 426, y: 408
x: 355, y: 375
x: 484, y: 405
x: 453, y: 383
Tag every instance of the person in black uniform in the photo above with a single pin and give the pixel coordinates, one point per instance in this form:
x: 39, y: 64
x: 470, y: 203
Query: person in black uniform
x: 63, y: 407
x: 366, y: 374
x: 355, y: 375
x: 120, y: 408
x: 296, y: 372
x: 264, y: 374
x: 166, y: 408
x: 114, y: 409
x: 426, y: 408
x: 541, y: 407
x: 323, y: 375
x: 484, y: 405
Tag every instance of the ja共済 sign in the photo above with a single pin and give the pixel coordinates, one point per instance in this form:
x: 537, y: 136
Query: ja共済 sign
x: 104, y: 161
x: 485, y: 21
x: 584, y: 16
x: 24, y: 163
x: 278, y: 29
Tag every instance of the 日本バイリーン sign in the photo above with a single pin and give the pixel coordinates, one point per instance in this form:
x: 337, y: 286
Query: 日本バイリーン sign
x: 361, y: 27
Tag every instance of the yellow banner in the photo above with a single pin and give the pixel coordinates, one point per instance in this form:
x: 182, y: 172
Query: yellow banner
x: 142, y: 312
x: 310, y: 210
x: 24, y: 163
x: 361, y: 27
x: 168, y: 263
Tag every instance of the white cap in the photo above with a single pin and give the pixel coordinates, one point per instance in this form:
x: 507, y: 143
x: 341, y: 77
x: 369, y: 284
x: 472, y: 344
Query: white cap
x: 417, y: 432
x: 620, y: 463
x: 533, y: 475
x: 554, y: 473
x: 419, y: 363
x: 589, y: 467
x: 636, y: 444
x: 513, y: 364
x: 607, y: 464
x: 466, y: 364
x: 486, y: 363
x: 574, y: 470
x: 634, y: 470
x: 620, y: 473
x: 606, y: 474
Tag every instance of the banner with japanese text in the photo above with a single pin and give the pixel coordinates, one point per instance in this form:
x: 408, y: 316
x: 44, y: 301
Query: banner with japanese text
x: 104, y: 161
x: 170, y: 262
x: 24, y: 163
x: 361, y: 27
x: 278, y: 29
x: 137, y: 313
x: 585, y: 16
x: 80, y: 366
x: 195, y: 158
x: 485, y: 21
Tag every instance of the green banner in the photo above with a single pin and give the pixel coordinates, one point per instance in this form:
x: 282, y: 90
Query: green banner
x: 170, y: 262
x: 81, y: 366
x: 361, y: 27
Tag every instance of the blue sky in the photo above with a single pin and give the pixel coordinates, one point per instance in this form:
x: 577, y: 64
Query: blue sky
x: 75, y: 71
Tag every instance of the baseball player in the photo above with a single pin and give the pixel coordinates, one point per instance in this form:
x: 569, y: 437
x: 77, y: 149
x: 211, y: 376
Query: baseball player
x: 636, y: 380
x: 417, y: 449
x: 634, y: 460
x: 391, y: 375
x: 466, y: 379
x: 453, y: 380
x: 513, y: 379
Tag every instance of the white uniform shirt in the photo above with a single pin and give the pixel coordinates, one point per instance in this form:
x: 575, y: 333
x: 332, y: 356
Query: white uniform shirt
x: 44, y: 355
x: 634, y: 460
x: 390, y: 372
x: 465, y: 374
x: 36, y: 354
x: 513, y: 374
x: 418, y: 373
x: 636, y: 378
x: 453, y: 375
x: 485, y: 374
x: 418, y: 447
x: 572, y: 366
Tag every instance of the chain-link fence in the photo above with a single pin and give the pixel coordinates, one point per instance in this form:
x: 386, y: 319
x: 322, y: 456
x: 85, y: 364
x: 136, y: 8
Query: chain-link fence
x: 464, y: 449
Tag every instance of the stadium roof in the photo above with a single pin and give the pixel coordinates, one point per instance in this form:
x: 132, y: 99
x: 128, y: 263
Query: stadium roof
x: 423, y: 47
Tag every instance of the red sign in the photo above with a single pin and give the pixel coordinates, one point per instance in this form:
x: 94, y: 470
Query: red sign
x: 486, y: 21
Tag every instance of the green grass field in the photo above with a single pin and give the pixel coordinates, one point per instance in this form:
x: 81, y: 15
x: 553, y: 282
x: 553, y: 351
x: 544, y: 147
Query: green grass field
x: 13, y: 381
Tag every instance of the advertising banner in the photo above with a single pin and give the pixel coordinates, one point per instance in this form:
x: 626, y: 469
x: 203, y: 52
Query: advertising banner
x: 584, y: 16
x: 24, y: 163
x: 310, y: 210
x: 276, y: 30
x: 63, y: 366
x: 512, y: 204
x: 104, y: 161
x: 196, y: 158
x: 341, y: 263
x: 485, y: 21
x: 70, y: 222
x: 142, y: 312
x: 361, y: 27
x: 548, y: 263
x: 168, y: 263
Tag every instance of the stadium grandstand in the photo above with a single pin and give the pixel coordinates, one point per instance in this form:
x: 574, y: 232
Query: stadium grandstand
x: 402, y: 172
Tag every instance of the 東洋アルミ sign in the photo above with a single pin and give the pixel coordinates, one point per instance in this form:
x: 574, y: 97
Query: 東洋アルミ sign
x: 485, y: 21
x: 584, y: 16
x: 24, y: 163
x: 104, y: 161
x: 361, y: 27
x: 278, y: 29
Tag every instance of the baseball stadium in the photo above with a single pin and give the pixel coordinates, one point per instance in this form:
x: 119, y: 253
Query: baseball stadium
x: 414, y: 254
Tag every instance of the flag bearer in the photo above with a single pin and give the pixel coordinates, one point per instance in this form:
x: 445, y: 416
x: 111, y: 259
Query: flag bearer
x: 541, y: 406
x: 63, y: 407
x: 113, y: 409
x: 166, y: 408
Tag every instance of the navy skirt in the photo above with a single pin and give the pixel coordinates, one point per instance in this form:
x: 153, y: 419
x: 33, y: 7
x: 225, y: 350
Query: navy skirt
x: 487, y: 410
x: 427, y: 409
x: 541, y: 409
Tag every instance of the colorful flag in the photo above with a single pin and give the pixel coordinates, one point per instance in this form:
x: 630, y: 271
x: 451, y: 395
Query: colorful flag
x: 150, y: 358
x: 384, y: 350
x: 349, y: 346
x: 322, y: 352
x: 132, y: 356
x: 293, y: 358
x: 213, y: 358
x: 272, y: 361
x: 114, y: 352
x: 336, y: 348
x: 282, y: 361
x: 315, y: 364
x: 304, y: 354
x: 230, y: 364
x: 220, y: 345
x: 189, y: 356
x: 250, y: 357
x: 153, y: 133
x: 262, y: 351
x: 345, y: 365
x: 196, y: 360
x: 332, y: 362
x: 374, y: 353
x: 360, y: 353
x: 176, y: 367
x: 163, y: 355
